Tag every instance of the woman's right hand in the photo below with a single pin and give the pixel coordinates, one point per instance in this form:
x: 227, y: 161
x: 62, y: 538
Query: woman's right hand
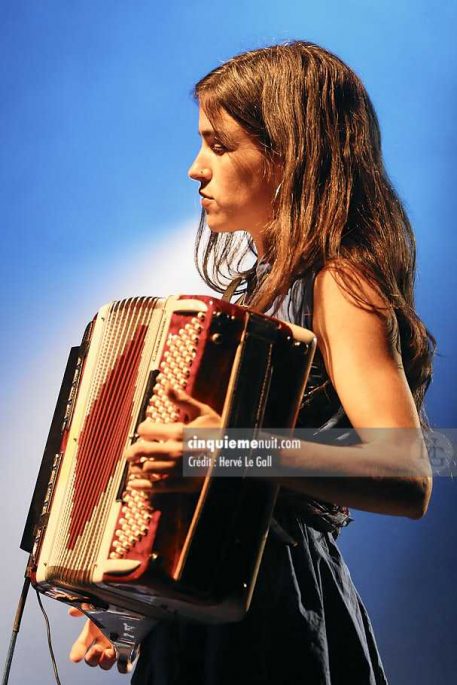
x: 92, y: 646
x: 156, y: 457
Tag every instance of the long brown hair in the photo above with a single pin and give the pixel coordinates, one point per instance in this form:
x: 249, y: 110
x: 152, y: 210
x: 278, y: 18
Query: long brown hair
x: 335, y: 205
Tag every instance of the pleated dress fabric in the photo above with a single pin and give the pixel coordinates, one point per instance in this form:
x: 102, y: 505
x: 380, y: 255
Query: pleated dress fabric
x: 307, y: 624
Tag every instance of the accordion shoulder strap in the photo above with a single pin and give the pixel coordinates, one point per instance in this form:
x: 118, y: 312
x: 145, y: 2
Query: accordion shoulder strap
x: 229, y: 291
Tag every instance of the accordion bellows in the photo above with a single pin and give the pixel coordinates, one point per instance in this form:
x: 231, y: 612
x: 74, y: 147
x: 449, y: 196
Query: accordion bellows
x: 124, y: 556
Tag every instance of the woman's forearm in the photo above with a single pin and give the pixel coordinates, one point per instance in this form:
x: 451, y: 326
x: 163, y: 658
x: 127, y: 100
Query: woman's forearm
x: 382, y: 476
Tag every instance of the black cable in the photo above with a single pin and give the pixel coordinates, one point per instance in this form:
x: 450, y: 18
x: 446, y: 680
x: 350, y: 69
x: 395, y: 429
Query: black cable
x: 48, y: 631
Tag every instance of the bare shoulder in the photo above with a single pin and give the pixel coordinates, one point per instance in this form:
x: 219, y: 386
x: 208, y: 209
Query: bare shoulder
x: 352, y: 323
x: 346, y: 304
x: 338, y: 284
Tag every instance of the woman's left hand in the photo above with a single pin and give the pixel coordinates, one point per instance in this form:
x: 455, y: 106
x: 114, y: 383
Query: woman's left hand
x: 156, y: 455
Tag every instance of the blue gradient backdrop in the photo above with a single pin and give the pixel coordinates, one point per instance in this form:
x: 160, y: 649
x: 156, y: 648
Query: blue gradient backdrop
x: 97, y: 132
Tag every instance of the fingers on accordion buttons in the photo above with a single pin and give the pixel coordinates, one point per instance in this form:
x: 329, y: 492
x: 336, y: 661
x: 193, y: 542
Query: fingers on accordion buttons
x: 140, y: 484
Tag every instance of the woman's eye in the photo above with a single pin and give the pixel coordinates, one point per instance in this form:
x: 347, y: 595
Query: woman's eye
x: 218, y: 148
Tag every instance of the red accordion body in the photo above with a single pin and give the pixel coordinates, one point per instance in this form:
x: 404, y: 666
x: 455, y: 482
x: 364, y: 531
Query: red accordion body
x: 125, y: 557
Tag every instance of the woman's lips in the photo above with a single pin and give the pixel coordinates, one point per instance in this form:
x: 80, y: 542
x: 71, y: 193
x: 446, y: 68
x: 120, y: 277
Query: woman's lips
x: 206, y: 201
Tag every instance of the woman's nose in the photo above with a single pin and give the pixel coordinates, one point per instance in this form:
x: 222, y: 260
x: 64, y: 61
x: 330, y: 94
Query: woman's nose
x: 198, y: 172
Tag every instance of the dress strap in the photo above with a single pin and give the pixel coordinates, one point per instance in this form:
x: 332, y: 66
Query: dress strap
x: 308, y: 299
x: 230, y: 290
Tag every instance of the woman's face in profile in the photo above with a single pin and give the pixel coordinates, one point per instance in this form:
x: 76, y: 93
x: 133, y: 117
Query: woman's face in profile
x: 237, y: 190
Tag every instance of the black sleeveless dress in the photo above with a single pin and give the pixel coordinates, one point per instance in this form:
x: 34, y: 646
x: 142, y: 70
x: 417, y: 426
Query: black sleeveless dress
x: 306, y: 624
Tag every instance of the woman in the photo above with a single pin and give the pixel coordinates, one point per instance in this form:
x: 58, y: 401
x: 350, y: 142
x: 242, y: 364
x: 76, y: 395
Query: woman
x: 291, y: 157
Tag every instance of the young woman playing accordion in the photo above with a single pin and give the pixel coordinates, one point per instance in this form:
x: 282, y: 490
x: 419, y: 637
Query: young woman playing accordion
x: 290, y: 169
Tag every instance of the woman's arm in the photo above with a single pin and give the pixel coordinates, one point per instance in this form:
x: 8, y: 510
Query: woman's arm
x: 389, y: 472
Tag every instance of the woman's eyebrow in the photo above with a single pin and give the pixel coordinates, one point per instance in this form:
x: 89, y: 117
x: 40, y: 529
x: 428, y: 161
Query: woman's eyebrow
x: 207, y: 132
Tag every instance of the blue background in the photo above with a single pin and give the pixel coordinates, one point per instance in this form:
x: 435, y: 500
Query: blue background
x: 97, y: 131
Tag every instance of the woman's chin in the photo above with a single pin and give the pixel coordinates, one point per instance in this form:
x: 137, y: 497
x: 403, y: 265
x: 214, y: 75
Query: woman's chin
x: 216, y: 227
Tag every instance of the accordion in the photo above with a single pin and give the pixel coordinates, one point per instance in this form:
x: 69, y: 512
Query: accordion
x: 126, y: 557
